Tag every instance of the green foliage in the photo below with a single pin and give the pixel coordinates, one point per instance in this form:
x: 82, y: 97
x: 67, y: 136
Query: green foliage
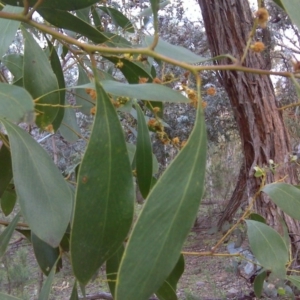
x: 116, y: 79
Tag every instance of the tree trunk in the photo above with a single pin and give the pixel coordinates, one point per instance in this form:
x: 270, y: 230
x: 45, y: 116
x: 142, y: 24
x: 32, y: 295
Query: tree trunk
x: 261, y: 127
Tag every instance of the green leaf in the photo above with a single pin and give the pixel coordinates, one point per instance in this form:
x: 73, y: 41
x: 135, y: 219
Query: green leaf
x: 165, y: 221
x: 148, y: 91
x: 66, y: 20
x: 74, y: 295
x: 44, y: 196
x: 175, y: 52
x: 56, y: 4
x: 7, y: 234
x: 279, y: 3
x: 16, y: 104
x: 118, y: 18
x: 69, y: 128
x: 46, y: 289
x: 286, y: 197
x: 257, y: 217
x: 168, y: 290
x: 8, y: 29
x: 295, y: 280
x: 46, y: 255
x: 112, y: 266
x: 40, y: 81
x: 109, y: 210
x: 8, y: 297
x: 292, y: 8
x: 259, y: 283
x: 14, y: 63
x: 268, y: 247
x: 132, y: 70
x: 6, y: 174
x: 82, y: 98
x: 57, y: 69
x: 8, y: 200
x: 143, y: 154
x: 83, y: 14
x: 155, y: 8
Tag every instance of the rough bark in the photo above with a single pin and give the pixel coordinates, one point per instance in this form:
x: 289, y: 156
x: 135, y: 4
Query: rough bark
x: 261, y: 127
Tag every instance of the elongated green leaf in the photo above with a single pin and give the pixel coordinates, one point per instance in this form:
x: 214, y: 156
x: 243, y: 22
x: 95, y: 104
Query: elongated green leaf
x: 83, y: 14
x: 155, y: 8
x: 259, y: 283
x: 66, y: 20
x: 56, y: 4
x: 149, y: 91
x: 44, y: 196
x: 83, y: 99
x: 16, y: 104
x: 112, y: 266
x: 69, y: 128
x: 279, y: 3
x: 7, y: 234
x: 56, y: 67
x: 164, y: 223
x: 14, y: 63
x: 143, y: 154
x: 46, y: 289
x: 292, y: 8
x: 109, y: 210
x: 132, y: 70
x: 268, y: 247
x: 175, y: 52
x: 8, y: 29
x: 295, y: 280
x: 46, y: 255
x: 5, y: 170
x: 118, y: 18
x: 8, y: 297
x: 40, y: 81
x: 8, y: 200
x: 74, y: 295
x: 285, y: 196
x: 257, y: 217
x: 168, y: 290
x: 148, y: 11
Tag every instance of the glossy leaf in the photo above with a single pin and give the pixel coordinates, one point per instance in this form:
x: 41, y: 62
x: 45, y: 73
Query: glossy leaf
x: 40, y: 81
x: 57, y: 69
x: 118, y: 18
x: 8, y: 200
x: 168, y: 290
x: 83, y: 99
x: 16, y: 104
x: 8, y: 297
x: 44, y: 196
x: 285, y: 196
x: 14, y: 63
x: 8, y: 29
x: 143, y: 154
x: 112, y: 266
x: 148, y: 91
x: 165, y: 221
x: 175, y: 52
x: 268, y: 247
x: 259, y: 283
x: 56, y: 4
x: 46, y: 255
x: 6, y: 174
x: 7, y: 234
x: 257, y: 217
x: 109, y: 210
x: 46, y: 289
x: 292, y: 8
x: 69, y: 128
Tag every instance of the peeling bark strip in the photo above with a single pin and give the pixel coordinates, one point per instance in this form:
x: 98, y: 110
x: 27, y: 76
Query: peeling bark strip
x: 261, y: 127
